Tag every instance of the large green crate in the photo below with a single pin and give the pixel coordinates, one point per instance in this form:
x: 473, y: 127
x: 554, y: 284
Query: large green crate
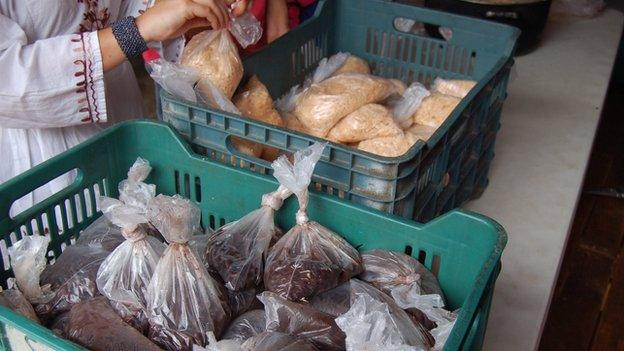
x: 419, y: 184
x: 462, y: 249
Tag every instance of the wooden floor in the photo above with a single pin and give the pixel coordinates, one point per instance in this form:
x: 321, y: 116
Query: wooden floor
x: 587, y: 311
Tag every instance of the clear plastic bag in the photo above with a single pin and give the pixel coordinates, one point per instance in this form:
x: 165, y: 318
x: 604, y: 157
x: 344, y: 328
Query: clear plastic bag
x: 28, y: 261
x: 133, y: 191
x: 386, y: 270
x: 95, y: 325
x: 404, y: 108
x: 221, y: 345
x: 420, y: 132
x: 309, y: 258
x: 247, y: 325
x: 375, y: 321
x: 14, y: 300
x: 246, y: 29
x: 124, y: 275
x: 60, y: 325
x: 72, y: 279
x: 176, y: 79
x: 101, y: 232
x: 237, y: 251
x: 458, y: 88
x: 274, y: 341
x: 369, y: 121
x: 301, y: 320
x: 243, y: 300
x: 323, y: 104
x: 390, y: 146
x: 184, y: 302
x: 333, y: 302
x: 435, y: 109
x: 215, y: 57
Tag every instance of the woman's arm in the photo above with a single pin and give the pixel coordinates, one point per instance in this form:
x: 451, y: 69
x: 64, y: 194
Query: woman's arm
x: 277, y: 19
x: 59, y: 81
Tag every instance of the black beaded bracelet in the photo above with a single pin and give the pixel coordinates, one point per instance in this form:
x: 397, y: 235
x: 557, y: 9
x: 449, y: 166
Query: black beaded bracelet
x: 128, y: 37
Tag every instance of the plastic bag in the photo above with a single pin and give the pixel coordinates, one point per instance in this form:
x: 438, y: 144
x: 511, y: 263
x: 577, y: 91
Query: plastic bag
x: 215, y: 57
x: 387, y: 270
x: 458, y: 88
x: 420, y: 132
x: 60, y: 325
x: 274, y: 341
x: 102, y: 232
x: 95, y: 325
x: 323, y: 104
x: 14, y: 300
x: 246, y: 29
x: 367, y: 122
x: 133, y: 191
x: 435, y: 109
x: 309, y: 258
x: 375, y: 321
x: 339, y: 63
x: 221, y: 345
x: 72, y: 279
x: 404, y: 108
x: 246, y: 325
x: 237, y: 251
x: 391, y: 146
x: 369, y: 326
x: 411, y: 297
x: 124, y: 275
x: 255, y: 102
x: 176, y: 79
x: 243, y: 300
x: 28, y: 261
x: 337, y: 301
x: 301, y: 320
x: 184, y: 302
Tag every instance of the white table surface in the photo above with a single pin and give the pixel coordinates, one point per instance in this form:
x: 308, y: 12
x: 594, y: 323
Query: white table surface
x: 548, y: 125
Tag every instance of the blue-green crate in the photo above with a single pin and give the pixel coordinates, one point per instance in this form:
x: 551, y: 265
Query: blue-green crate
x: 478, y: 50
x: 462, y: 249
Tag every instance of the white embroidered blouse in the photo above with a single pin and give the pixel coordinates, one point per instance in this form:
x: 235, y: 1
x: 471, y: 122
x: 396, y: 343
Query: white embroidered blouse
x: 53, y: 91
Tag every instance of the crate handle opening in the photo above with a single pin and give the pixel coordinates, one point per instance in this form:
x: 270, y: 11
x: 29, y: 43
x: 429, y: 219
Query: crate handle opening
x: 61, y: 185
x: 422, y: 29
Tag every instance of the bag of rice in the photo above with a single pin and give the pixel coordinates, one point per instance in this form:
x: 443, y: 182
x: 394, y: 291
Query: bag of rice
x: 391, y: 146
x: 367, y: 122
x: 323, y: 104
x: 458, y: 88
x: 435, y: 109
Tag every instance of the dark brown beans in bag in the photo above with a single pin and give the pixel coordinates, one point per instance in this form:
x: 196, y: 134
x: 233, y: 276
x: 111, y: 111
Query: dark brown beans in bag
x: 95, y: 325
x: 302, y: 320
x: 245, y: 326
x: 274, y: 341
x: 310, y: 258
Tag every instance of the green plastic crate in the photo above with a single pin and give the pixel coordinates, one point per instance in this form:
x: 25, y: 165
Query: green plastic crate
x: 462, y: 249
x: 411, y: 185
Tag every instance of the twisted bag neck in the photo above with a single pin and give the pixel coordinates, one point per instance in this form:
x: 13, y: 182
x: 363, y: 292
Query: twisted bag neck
x: 275, y: 200
x: 302, y: 213
x: 133, y: 234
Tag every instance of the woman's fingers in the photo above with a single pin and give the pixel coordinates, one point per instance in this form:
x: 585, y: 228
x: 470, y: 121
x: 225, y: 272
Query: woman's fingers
x: 239, y: 7
x: 218, y: 8
x: 202, y: 11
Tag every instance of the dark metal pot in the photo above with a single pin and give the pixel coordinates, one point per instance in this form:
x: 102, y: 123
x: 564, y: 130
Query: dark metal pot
x: 528, y: 15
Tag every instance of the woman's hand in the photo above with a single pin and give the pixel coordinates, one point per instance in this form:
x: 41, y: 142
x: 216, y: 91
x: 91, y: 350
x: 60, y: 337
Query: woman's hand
x: 171, y: 18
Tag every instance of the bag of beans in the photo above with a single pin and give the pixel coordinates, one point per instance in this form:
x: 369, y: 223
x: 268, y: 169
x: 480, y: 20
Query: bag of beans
x: 275, y: 341
x: 435, y: 109
x: 95, y: 325
x: 390, y: 146
x: 309, y: 258
x: 184, y: 302
x: 124, y: 275
x: 237, y: 251
x: 301, y: 320
x: 247, y: 325
x: 14, y: 300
